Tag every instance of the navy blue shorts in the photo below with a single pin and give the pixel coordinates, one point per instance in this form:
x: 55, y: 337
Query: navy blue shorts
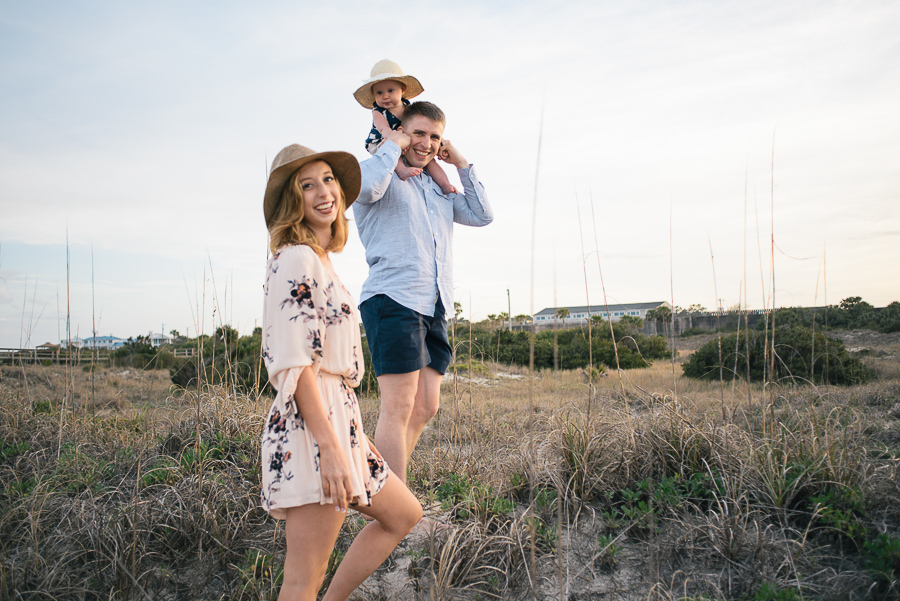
x: 403, y: 341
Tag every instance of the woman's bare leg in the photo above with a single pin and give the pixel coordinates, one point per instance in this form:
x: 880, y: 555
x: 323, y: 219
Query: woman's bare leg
x: 311, y: 532
x: 395, y: 510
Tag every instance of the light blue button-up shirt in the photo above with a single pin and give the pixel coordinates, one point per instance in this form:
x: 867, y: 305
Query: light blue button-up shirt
x: 407, y: 230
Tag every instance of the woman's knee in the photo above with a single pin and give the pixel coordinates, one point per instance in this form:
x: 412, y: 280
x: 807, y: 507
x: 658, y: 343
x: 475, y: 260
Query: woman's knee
x: 405, y: 510
x: 406, y: 517
x: 303, y: 578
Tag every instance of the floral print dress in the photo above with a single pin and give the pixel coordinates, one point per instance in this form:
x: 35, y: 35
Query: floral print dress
x: 309, y: 323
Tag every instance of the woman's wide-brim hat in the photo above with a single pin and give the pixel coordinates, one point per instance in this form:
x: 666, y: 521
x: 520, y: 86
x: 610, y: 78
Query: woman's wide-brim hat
x: 343, y: 164
x: 383, y: 70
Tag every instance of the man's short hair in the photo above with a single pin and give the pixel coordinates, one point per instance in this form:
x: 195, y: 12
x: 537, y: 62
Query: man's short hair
x: 424, y: 109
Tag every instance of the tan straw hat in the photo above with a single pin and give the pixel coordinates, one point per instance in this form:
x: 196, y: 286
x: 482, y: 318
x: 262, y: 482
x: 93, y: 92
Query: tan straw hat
x: 343, y: 164
x: 386, y: 69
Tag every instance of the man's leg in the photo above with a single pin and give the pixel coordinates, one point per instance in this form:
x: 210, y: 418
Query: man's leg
x: 428, y: 401
x: 398, y: 399
x: 408, y: 403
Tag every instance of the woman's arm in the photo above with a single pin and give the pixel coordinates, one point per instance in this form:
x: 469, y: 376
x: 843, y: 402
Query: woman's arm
x: 333, y: 464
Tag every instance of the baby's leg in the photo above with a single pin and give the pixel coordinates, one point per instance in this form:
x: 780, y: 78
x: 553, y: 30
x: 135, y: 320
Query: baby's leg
x: 404, y: 172
x: 440, y: 178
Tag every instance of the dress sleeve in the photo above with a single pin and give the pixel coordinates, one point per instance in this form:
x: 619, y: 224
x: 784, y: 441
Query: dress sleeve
x: 294, y: 319
x: 373, y: 142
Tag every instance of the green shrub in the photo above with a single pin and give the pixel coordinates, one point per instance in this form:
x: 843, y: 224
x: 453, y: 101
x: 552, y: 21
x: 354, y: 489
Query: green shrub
x: 574, y: 350
x: 794, y: 361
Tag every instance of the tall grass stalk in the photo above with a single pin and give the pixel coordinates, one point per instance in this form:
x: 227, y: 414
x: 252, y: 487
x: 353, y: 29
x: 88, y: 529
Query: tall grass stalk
x: 771, y: 362
x: 587, y: 298
x: 712, y: 260
x: 812, y: 353
x: 672, y: 297
x: 21, y: 334
x: 612, y: 332
x: 825, y: 300
x: 93, y: 322
x: 745, y: 285
x: 531, y: 471
x: 69, y: 366
x: 765, y: 297
x: 737, y: 344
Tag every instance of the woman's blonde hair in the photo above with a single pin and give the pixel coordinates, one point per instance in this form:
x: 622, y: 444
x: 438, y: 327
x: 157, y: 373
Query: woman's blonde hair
x: 287, y: 225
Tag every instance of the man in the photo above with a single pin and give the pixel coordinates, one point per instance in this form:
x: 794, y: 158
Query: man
x: 407, y: 230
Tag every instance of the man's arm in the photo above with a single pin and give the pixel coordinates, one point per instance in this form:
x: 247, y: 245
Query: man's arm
x: 472, y: 206
x: 377, y: 171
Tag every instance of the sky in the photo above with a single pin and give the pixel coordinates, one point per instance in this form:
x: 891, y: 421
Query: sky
x: 632, y: 151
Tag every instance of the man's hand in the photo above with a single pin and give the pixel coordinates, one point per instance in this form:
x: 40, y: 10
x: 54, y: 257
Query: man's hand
x: 397, y: 137
x: 449, y: 154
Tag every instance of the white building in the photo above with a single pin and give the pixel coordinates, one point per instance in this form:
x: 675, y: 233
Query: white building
x: 109, y: 343
x: 582, y: 313
x: 75, y: 343
x: 157, y: 340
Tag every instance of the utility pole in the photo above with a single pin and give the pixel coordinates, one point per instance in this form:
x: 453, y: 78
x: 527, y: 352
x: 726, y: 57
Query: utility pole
x: 509, y: 309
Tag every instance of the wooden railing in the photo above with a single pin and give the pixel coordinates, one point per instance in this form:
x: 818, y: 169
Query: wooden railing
x: 75, y: 356
x: 30, y: 355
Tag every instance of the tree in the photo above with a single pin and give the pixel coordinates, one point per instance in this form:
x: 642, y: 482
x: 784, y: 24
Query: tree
x: 888, y: 319
x: 520, y: 318
x: 857, y: 313
x: 562, y: 313
x: 226, y: 334
x: 660, y: 315
x: 631, y: 325
x: 457, y: 309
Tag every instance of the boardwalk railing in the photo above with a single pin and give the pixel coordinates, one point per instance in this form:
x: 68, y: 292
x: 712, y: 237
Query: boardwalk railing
x: 30, y: 355
x: 12, y: 356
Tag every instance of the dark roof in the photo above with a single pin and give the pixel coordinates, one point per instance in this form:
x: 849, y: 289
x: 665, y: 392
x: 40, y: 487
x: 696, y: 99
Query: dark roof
x: 602, y: 308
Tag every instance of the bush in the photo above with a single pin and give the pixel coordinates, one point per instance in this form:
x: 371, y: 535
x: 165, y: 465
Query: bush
x: 140, y: 355
x: 227, y: 359
x: 832, y: 363
x: 888, y: 319
x: 573, y: 348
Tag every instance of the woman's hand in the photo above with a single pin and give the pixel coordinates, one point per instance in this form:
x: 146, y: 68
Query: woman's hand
x: 335, y: 473
x: 334, y: 468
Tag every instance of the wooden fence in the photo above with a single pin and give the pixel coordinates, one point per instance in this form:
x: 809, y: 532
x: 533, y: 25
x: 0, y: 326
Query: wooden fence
x: 13, y: 356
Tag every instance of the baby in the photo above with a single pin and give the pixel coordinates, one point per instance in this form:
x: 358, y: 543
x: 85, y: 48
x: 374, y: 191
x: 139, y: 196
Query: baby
x: 387, y: 92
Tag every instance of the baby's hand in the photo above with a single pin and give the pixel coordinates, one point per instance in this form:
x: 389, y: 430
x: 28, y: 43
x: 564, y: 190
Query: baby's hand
x: 380, y: 122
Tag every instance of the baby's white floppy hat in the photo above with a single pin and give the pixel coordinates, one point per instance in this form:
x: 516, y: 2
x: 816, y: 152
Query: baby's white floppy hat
x: 383, y: 70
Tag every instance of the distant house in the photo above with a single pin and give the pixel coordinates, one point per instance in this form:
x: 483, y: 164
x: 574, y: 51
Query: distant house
x: 582, y: 313
x: 159, y: 339
x: 109, y: 343
x: 48, y: 346
x: 75, y: 343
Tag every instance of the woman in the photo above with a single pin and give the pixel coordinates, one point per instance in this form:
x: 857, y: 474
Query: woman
x: 316, y: 459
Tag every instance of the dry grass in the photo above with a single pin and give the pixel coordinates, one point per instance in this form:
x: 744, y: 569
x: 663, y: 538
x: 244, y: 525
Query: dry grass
x: 585, y: 494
